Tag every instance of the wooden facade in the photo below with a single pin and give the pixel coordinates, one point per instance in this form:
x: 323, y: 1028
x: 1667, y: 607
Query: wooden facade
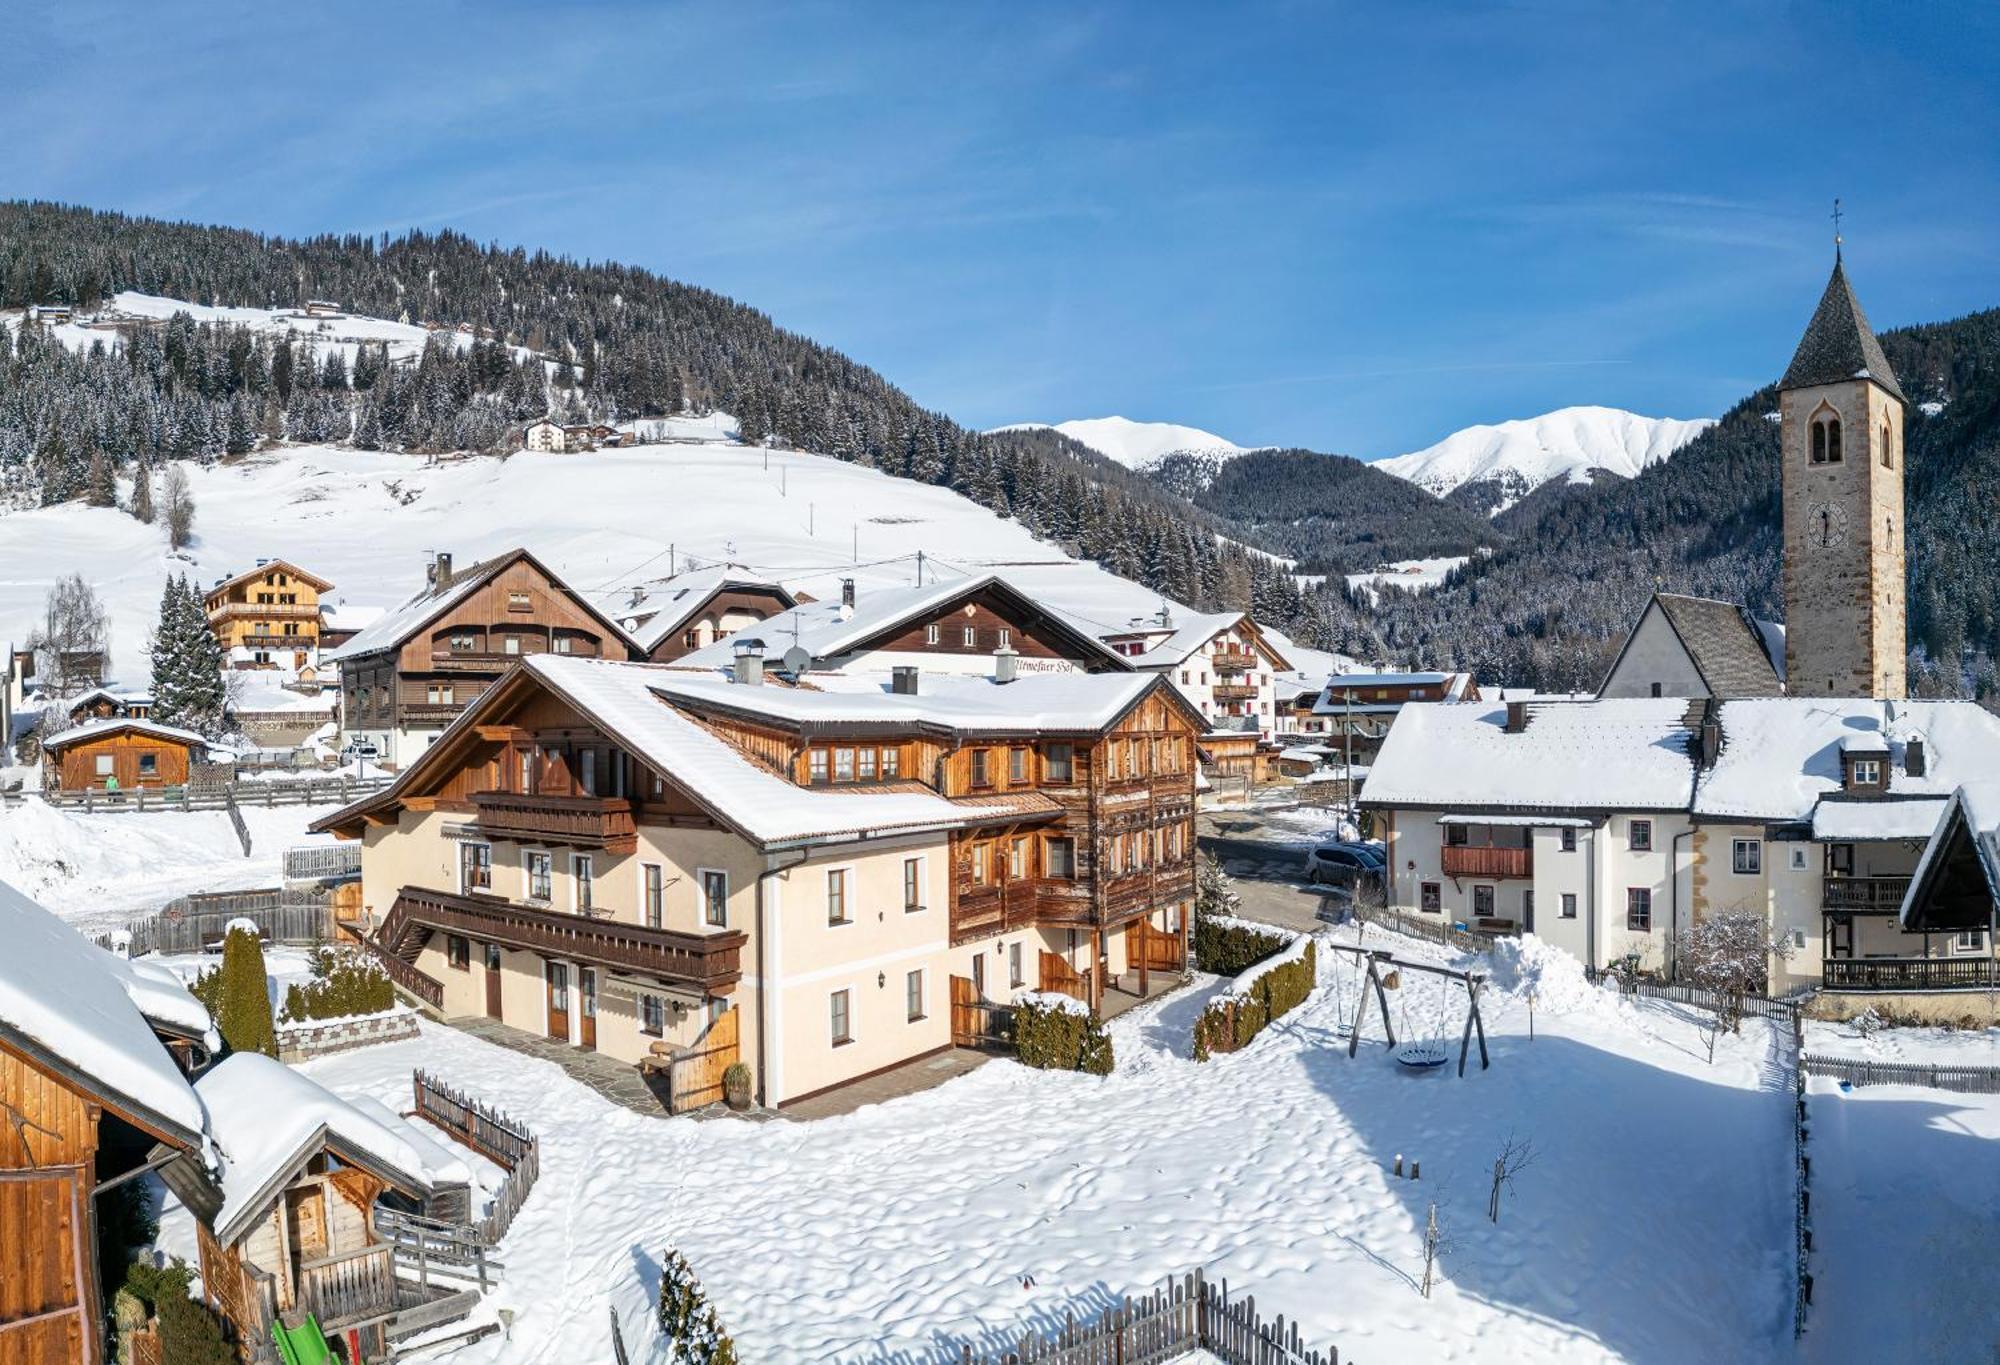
x: 118, y: 759
x: 710, y: 620
x: 269, y: 616
x: 984, y: 620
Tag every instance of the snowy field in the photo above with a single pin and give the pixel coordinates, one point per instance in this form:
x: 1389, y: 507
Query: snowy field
x: 1411, y: 575
x: 1906, y: 1184
x: 1910, y: 1046
x: 1654, y: 1223
x: 606, y: 520
x: 98, y: 871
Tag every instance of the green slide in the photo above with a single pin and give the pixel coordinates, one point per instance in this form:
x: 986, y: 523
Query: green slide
x: 302, y: 1345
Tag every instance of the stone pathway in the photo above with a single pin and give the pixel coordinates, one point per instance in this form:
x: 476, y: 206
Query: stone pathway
x: 619, y: 1082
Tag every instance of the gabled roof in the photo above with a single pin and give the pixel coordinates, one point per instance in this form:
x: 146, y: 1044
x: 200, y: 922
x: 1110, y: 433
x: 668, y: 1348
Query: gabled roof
x: 1193, y: 632
x: 116, y: 698
x: 668, y: 606
x: 318, y: 584
x: 268, y: 1120
x: 1722, y: 641
x: 1957, y: 882
x: 1839, y: 345
x: 165, y: 1000
x: 66, y: 1002
x: 825, y: 632
x: 393, y: 628
x: 112, y: 725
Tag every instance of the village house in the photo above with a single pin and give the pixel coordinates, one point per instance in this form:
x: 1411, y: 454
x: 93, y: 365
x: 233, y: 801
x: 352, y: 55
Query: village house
x: 411, y: 671
x: 653, y: 862
x: 102, y: 703
x: 322, y: 308
x: 960, y: 625
x: 1698, y: 647
x: 86, y: 1090
x: 693, y: 610
x: 544, y: 435
x: 120, y: 753
x: 268, y: 616
x: 1223, y: 663
x: 1359, y: 708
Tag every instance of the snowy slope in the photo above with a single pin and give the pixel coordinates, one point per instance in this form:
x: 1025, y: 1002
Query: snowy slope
x: 607, y: 520
x: 1523, y: 455
x: 1136, y: 445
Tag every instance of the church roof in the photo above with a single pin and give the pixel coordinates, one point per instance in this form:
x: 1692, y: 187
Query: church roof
x: 1725, y: 647
x: 1839, y: 344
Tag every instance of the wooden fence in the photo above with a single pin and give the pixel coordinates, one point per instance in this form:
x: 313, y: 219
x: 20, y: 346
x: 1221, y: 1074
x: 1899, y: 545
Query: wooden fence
x: 193, y: 924
x: 1752, y: 1005
x: 976, y: 1022
x: 494, y: 1136
x: 323, y: 862
x: 317, y: 791
x: 1969, y: 1080
x: 1061, y: 978
x: 1802, y: 1281
x: 1186, y: 1314
x: 694, y: 1078
x: 1438, y: 930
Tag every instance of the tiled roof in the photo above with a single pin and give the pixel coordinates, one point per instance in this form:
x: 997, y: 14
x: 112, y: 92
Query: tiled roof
x: 1724, y: 644
x: 1839, y: 344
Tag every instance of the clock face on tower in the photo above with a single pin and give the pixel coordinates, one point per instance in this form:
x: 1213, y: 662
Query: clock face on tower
x: 1826, y: 525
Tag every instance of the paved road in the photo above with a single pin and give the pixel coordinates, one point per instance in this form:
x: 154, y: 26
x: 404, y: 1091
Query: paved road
x: 1269, y: 875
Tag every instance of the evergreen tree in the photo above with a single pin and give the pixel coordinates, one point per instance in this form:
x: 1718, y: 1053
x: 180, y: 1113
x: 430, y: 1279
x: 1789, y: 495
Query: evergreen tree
x: 245, y: 1014
x: 142, y: 493
x: 101, y: 487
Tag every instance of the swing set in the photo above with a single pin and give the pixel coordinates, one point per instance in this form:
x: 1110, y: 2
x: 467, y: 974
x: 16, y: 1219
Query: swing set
x: 1420, y: 1051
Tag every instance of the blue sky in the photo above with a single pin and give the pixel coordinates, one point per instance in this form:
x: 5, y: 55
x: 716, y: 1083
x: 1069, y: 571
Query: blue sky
x: 1351, y: 227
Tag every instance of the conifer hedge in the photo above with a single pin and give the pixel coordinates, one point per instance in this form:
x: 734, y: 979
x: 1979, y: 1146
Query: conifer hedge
x: 1052, y: 1037
x: 1231, y: 1022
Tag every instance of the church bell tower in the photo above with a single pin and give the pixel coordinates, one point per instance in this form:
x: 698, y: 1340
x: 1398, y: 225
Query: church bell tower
x: 1842, y: 445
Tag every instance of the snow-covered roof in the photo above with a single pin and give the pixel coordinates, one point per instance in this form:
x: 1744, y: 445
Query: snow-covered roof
x: 1973, y: 811
x: 827, y: 629
x: 663, y: 608
x: 1345, y: 681
x: 69, y: 999
x: 266, y: 1118
x: 318, y: 584
x: 393, y: 627
x: 1514, y: 821
x: 116, y: 698
x: 1843, y: 822
x: 165, y: 1000
x: 1334, y: 698
x: 1780, y: 755
x: 348, y: 616
x: 112, y: 725
x: 1587, y: 755
x: 1042, y: 702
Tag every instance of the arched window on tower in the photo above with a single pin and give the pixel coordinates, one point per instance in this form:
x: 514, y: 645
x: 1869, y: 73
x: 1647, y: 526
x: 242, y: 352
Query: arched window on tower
x: 1825, y: 436
x: 1888, y: 447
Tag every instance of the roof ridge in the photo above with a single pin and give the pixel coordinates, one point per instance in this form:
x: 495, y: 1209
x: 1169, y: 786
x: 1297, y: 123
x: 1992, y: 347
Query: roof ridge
x: 1839, y: 344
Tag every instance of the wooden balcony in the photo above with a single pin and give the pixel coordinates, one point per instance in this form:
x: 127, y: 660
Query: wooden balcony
x: 1230, y: 660
x: 432, y: 712
x: 1233, y: 691
x: 604, y: 822
x: 1909, y: 973
x: 706, y: 962
x: 262, y: 611
x: 1864, y: 895
x: 1477, y: 860
x: 351, y: 1289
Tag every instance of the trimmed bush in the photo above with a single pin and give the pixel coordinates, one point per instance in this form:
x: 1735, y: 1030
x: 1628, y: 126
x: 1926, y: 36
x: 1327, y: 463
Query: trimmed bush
x: 1231, y: 947
x: 243, y: 1003
x: 1061, y: 1036
x: 344, y: 983
x: 1231, y: 1021
x: 190, y: 1334
x: 687, y: 1318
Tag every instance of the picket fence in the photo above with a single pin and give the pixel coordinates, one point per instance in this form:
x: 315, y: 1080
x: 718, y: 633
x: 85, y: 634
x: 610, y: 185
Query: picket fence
x: 494, y: 1136
x: 1968, y: 1080
x: 1753, y: 1006
x: 1186, y: 1314
x: 1437, y: 930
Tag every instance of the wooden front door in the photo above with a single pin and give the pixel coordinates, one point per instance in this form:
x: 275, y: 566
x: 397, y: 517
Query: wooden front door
x: 557, y: 976
x: 586, y: 989
x: 306, y: 1212
x: 1840, y: 936
x: 43, y: 1315
x: 493, y: 981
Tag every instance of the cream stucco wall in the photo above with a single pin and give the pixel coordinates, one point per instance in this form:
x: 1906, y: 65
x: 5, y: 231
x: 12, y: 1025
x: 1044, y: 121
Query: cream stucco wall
x: 1654, y: 663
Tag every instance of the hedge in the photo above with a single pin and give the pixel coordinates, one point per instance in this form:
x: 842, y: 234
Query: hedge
x: 1230, y: 947
x: 688, y: 1320
x: 344, y: 983
x: 1231, y: 1020
x: 1060, y: 1035
x: 237, y: 994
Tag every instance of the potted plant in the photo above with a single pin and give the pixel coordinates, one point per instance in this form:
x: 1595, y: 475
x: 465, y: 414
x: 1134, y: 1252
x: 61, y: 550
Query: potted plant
x: 736, y: 1086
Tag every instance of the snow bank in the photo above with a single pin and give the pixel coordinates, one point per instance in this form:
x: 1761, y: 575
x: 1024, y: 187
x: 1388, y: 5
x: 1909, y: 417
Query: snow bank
x: 1051, y: 1000
x: 1555, y: 977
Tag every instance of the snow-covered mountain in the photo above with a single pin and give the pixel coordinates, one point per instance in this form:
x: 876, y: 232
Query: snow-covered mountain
x: 1137, y: 445
x: 1519, y: 457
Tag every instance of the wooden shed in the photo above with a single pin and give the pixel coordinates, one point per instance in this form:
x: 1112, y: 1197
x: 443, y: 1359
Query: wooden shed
x: 120, y: 753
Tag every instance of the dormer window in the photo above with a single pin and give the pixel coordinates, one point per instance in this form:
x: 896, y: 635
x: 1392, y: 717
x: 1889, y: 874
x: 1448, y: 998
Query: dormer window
x: 1825, y: 436
x: 1865, y: 772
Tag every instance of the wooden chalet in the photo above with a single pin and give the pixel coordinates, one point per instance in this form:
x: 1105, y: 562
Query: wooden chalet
x: 85, y: 1091
x: 693, y: 610
x: 120, y: 753
x: 101, y: 703
x: 268, y: 616
x: 413, y: 670
x: 679, y: 871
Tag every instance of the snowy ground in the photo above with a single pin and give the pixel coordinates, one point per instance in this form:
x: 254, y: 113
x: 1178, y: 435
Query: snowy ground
x: 98, y: 871
x: 1920, y: 1046
x: 1906, y: 1181
x: 1653, y: 1225
x: 1413, y: 575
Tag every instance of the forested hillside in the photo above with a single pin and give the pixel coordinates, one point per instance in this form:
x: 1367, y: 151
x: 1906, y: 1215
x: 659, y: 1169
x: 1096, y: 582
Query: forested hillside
x: 1551, y: 607
x: 619, y: 342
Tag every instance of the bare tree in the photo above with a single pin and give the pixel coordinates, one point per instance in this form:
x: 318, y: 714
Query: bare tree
x: 70, y: 645
x: 178, y: 499
x: 1515, y: 1157
x: 1728, y: 954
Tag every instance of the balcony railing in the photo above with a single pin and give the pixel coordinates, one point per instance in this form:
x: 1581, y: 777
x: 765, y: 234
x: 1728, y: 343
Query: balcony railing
x: 263, y: 611
x: 1234, y: 691
x: 1477, y: 860
x: 604, y: 822
x: 351, y: 1289
x: 708, y: 962
x: 1909, y: 973
x: 1868, y: 895
x: 1228, y: 660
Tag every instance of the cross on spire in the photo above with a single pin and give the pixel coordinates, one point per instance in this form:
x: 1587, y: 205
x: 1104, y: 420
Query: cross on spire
x: 1836, y: 229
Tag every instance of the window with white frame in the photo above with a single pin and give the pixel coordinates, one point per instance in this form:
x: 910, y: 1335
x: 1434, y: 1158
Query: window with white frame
x: 972, y: 637
x: 913, y: 885
x: 583, y: 876
x: 1746, y: 856
x: 931, y: 633
x: 1969, y: 941
x: 836, y: 896
x: 1061, y: 857
x: 843, y: 765
x: 538, y: 871
x: 1867, y: 772
x: 913, y: 994
x: 980, y: 864
x: 475, y: 868
x: 715, y: 899
x: 656, y: 895
x: 1017, y: 859
x: 1017, y: 766
x: 892, y: 763
x: 839, y: 1018
x: 818, y: 765
x: 1014, y: 970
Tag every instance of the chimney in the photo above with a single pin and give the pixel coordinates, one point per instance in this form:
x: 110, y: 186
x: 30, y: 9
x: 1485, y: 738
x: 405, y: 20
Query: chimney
x: 1003, y: 663
x: 1913, y: 755
x: 749, y: 666
x: 1708, y: 734
x: 847, y: 599
x: 903, y: 680
x: 1517, y: 717
x: 438, y: 573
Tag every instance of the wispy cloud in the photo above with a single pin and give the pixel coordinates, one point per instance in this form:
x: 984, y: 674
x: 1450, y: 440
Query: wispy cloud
x: 1392, y: 371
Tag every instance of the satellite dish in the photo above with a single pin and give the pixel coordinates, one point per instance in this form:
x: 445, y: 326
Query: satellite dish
x: 798, y: 659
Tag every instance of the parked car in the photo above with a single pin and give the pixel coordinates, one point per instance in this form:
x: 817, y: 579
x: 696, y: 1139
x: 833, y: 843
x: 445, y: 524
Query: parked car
x: 1345, y: 865
x: 359, y: 749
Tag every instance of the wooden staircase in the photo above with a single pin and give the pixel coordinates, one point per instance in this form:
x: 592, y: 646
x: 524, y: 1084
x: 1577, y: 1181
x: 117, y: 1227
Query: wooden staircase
x: 395, y: 946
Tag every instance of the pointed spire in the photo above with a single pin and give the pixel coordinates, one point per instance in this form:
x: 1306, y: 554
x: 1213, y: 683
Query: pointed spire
x: 1839, y: 345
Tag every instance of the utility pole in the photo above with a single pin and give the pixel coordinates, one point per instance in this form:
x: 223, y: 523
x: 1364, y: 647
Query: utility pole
x: 857, y: 542
x: 1347, y: 727
x: 920, y: 568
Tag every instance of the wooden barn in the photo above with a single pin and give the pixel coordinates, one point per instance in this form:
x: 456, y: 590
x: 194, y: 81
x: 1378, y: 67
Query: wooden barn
x: 120, y: 753
x: 85, y: 1090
